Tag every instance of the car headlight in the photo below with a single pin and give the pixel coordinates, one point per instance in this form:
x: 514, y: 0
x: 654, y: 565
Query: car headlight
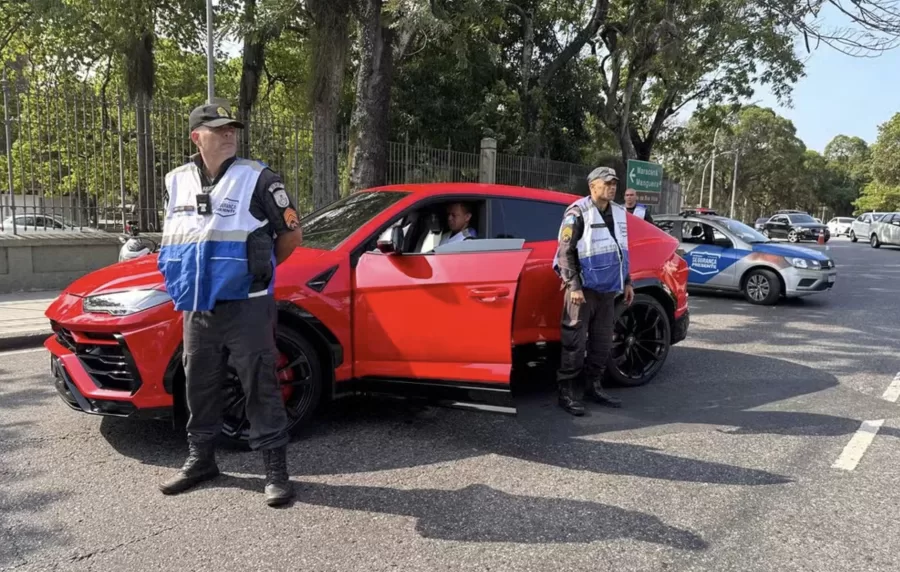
x: 803, y: 263
x: 125, y: 303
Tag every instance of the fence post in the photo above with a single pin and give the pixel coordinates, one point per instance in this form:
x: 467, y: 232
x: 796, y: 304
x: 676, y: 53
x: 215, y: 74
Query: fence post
x: 9, y: 167
x: 487, y: 167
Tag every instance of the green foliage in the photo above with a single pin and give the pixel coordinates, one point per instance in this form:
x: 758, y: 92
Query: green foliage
x: 883, y: 193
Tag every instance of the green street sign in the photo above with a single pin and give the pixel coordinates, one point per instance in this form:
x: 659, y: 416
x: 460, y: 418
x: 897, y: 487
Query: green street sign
x: 644, y: 177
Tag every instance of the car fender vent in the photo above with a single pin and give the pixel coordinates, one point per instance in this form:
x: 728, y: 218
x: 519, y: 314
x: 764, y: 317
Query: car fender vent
x: 319, y: 282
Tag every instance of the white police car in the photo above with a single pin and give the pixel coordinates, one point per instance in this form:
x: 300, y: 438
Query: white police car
x: 726, y: 255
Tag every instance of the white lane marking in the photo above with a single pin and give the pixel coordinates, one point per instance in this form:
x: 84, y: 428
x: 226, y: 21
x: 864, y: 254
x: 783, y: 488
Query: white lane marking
x: 893, y: 390
x: 17, y: 352
x: 857, y: 446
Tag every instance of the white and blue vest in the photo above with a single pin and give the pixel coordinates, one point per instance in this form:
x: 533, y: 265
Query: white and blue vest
x: 603, y: 259
x: 640, y: 211
x: 204, y: 257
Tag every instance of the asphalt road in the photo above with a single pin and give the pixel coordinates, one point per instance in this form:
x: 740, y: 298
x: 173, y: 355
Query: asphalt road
x: 738, y: 457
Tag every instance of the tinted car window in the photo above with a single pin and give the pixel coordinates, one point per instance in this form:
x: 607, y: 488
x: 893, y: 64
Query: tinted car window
x: 802, y: 219
x: 521, y: 218
x: 330, y: 226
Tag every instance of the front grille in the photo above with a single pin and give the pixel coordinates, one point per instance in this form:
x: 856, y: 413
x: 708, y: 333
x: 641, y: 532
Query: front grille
x: 109, y: 364
x: 827, y: 264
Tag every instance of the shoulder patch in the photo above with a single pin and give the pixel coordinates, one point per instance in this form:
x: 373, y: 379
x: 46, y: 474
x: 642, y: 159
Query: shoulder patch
x: 567, y: 234
x: 570, y: 219
x: 279, y: 194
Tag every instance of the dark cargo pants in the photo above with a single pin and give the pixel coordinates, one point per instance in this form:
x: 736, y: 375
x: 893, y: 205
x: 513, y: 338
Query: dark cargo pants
x: 245, y: 331
x: 591, y: 320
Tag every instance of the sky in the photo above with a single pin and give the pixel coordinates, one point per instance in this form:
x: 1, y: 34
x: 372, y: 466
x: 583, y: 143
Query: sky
x: 841, y: 94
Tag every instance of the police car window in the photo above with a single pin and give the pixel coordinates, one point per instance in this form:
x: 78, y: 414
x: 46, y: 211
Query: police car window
x: 521, y: 218
x: 327, y: 228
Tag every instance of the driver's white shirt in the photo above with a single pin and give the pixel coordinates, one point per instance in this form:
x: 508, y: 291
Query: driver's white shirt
x: 457, y: 237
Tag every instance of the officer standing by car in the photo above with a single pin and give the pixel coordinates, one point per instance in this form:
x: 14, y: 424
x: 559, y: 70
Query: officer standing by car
x: 592, y: 260
x: 635, y: 208
x: 228, y: 224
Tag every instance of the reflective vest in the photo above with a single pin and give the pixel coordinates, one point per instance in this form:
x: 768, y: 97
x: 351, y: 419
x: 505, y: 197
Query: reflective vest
x: 603, y: 259
x: 639, y: 211
x: 203, y: 257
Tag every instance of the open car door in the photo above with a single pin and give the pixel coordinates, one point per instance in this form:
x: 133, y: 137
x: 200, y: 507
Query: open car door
x: 439, y: 325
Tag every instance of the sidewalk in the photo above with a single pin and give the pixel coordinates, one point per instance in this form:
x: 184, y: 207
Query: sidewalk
x: 22, y: 320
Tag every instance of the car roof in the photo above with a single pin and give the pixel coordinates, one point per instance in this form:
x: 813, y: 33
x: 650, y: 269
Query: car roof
x: 430, y: 189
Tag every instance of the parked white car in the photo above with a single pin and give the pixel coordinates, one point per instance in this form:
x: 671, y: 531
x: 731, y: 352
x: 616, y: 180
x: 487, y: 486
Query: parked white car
x: 886, y: 231
x: 27, y: 223
x: 861, y: 227
x: 840, y: 225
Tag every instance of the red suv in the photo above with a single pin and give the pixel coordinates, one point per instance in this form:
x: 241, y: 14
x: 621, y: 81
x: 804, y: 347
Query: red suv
x: 372, y: 304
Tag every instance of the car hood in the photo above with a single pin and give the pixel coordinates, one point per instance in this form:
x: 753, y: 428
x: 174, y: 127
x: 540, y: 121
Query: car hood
x: 143, y: 273
x: 787, y: 250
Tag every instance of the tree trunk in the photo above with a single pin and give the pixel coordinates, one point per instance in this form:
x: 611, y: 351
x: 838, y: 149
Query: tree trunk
x: 370, y: 125
x: 140, y: 75
x: 330, y: 45
x: 254, y: 58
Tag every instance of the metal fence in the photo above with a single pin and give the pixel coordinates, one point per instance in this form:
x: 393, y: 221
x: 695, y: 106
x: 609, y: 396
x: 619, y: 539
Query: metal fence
x: 72, y: 158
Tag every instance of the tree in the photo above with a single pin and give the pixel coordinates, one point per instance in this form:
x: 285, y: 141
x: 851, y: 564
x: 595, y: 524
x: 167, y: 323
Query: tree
x: 883, y: 193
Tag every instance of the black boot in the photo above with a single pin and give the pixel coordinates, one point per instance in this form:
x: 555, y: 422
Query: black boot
x: 278, y: 487
x: 596, y: 393
x: 200, y: 466
x: 567, y: 399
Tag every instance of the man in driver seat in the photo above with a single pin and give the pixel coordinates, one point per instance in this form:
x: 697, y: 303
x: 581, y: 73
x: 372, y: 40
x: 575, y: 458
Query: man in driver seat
x: 459, y: 216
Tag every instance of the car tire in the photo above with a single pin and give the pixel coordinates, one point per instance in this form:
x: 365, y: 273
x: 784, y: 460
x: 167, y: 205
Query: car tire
x: 301, y: 396
x: 642, y: 335
x: 874, y: 242
x: 853, y: 236
x: 793, y: 236
x: 762, y: 287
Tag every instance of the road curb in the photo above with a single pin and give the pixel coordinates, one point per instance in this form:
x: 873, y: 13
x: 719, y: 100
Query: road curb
x: 24, y: 341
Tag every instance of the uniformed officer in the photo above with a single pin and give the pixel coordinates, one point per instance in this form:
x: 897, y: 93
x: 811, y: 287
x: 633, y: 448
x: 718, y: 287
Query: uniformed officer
x: 592, y: 261
x: 459, y: 215
x: 228, y: 224
x: 635, y: 208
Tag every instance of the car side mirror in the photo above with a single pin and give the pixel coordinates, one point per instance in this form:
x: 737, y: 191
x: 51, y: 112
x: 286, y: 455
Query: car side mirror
x: 394, y: 245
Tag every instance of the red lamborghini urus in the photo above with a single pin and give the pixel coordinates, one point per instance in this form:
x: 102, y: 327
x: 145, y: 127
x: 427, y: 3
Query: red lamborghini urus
x: 372, y: 304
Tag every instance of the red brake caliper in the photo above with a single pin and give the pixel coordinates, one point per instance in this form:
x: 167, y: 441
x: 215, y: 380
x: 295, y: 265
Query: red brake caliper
x: 285, y: 377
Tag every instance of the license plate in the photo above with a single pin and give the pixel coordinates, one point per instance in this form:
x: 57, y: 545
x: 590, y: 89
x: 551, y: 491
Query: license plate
x: 831, y: 279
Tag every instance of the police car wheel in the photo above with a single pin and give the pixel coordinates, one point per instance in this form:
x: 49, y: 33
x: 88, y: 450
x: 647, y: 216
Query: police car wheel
x: 300, y: 375
x: 762, y: 287
x: 642, y: 335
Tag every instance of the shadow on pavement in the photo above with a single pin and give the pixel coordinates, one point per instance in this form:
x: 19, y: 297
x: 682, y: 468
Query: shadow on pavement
x: 747, y: 395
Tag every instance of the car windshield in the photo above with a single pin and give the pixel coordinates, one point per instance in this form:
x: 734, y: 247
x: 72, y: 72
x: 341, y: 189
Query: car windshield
x: 801, y: 218
x: 330, y: 226
x: 744, y: 232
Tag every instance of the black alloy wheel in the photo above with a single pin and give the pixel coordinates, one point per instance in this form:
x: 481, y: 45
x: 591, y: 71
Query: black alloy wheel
x: 762, y: 287
x: 642, y: 335
x: 300, y: 375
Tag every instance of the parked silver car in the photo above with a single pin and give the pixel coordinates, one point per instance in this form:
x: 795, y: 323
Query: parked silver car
x: 885, y: 231
x: 861, y: 227
x: 840, y: 225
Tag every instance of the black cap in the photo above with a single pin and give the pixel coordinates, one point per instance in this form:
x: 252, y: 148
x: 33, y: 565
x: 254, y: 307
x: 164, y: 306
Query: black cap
x: 213, y: 115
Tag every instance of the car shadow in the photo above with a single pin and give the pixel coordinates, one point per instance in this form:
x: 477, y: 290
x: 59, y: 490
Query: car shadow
x: 748, y: 395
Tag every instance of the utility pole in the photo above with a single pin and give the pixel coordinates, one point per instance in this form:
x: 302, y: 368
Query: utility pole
x: 210, y: 54
x: 712, y: 173
x: 734, y: 181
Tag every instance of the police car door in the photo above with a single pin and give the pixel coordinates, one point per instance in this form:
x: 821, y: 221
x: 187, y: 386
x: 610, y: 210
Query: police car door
x: 709, y: 257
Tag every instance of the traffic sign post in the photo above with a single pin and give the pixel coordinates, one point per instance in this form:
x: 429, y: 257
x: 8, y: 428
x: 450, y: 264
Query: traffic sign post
x: 646, y: 179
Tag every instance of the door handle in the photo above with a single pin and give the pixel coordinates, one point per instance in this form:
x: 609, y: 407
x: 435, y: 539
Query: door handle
x: 488, y: 294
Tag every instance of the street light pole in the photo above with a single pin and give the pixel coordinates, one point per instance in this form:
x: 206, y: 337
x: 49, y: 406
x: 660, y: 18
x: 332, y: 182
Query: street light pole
x: 712, y: 171
x: 734, y: 182
x: 210, y: 54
